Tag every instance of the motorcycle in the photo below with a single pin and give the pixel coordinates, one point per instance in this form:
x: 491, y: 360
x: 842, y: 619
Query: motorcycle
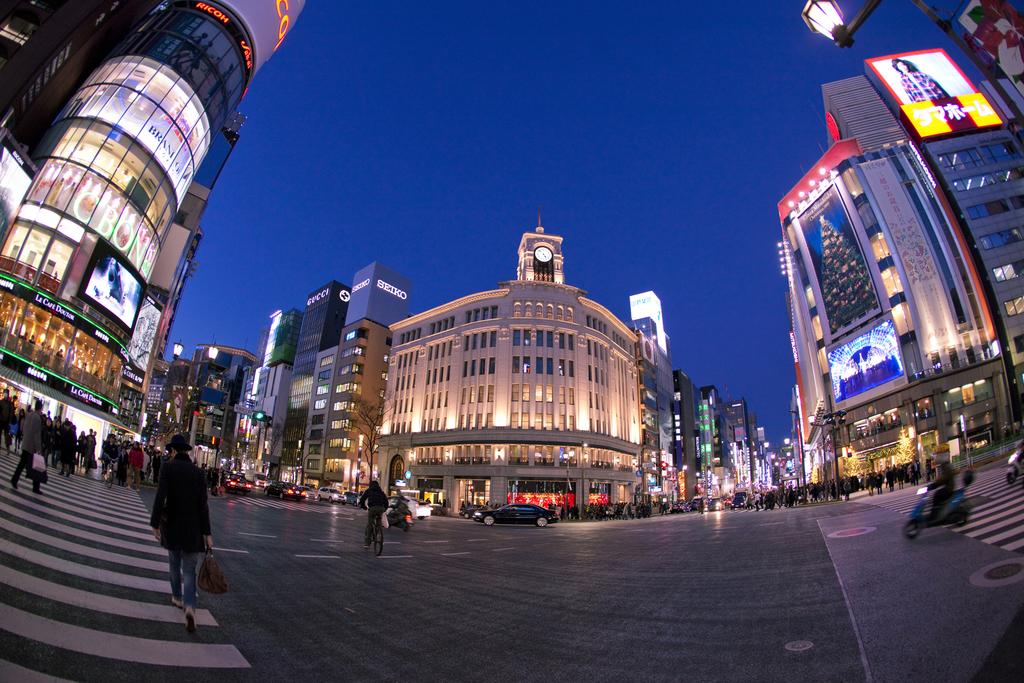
x: 956, y: 510
x: 400, y: 518
x: 1013, y: 467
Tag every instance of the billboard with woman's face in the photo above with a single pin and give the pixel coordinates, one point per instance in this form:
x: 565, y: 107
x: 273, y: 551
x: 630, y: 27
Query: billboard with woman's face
x: 112, y: 286
x: 933, y: 93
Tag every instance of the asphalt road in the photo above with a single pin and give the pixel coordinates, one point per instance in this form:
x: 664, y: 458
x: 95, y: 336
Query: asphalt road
x: 751, y: 596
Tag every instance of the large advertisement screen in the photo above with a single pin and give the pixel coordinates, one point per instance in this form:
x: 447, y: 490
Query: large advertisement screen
x: 995, y: 30
x: 112, y: 286
x: 141, y: 346
x: 933, y: 93
x: 843, y: 278
x: 14, y: 183
x: 869, y: 361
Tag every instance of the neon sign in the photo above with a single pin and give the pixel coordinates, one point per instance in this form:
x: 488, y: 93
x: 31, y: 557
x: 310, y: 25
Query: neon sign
x: 284, y: 21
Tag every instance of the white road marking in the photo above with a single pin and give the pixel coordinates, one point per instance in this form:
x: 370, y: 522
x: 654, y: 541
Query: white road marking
x: 244, y: 533
x: 96, y: 602
x: 83, y: 550
x: 325, y: 540
x: 84, y: 571
x: 393, y: 557
x: 474, y: 540
x: 115, y: 646
x: 435, y: 541
x: 38, y: 520
x: 453, y: 554
x: 231, y: 550
x: 349, y: 609
x: 498, y: 550
x: 335, y: 557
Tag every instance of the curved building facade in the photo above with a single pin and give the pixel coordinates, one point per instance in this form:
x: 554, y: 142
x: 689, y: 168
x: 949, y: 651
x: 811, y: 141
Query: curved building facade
x: 113, y: 171
x: 524, y: 393
x: 889, y: 318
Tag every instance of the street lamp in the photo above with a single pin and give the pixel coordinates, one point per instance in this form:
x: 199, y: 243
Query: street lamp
x: 178, y: 349
x: 825, y: 18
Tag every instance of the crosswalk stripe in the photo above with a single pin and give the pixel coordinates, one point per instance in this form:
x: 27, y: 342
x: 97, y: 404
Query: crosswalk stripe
x: 82, y: 570
x: 83, y: 550
x: 99, y: 603
x: 993, y: 515
x: 9, y: 671
x: 91, y: 510
x: 75, y: 525
x: 115, y: 646
x: 94, y: 497
x: 1012, y: 533
x: 25, y: 501
x: 87, y: 535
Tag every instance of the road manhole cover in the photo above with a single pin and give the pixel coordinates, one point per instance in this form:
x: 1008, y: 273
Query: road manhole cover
x: 848, y: 533
x: 1003, y: 571
x: 998, y: 574
x: 799, y: 645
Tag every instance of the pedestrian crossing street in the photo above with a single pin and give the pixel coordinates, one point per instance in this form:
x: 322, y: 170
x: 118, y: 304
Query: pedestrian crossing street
x: 262, y: 500
x: 997, y: 508
x: 83, y: 582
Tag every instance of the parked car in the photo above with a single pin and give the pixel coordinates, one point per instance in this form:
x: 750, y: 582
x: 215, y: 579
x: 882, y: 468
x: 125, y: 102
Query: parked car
x: 237, y: 485
x: 739, y: 501
x: 351, y: 498
x: 471, y: 510
x: 331, y: 495
x: 678, y: 506
x: 516, y: 514
x: 274, y: 488
x: 308, y: 492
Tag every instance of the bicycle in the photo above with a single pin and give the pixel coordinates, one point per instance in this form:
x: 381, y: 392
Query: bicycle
x: 377, y: 535
x: 108, y: 475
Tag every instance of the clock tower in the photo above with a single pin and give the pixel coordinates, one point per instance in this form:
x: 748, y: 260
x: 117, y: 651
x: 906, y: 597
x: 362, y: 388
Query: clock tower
x: 540, y: 257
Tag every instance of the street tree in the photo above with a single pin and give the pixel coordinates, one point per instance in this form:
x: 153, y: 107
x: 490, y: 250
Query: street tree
x: 368, y: 415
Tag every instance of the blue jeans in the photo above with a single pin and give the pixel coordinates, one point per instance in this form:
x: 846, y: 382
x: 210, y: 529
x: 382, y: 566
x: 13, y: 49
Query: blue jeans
x: 183, y: 568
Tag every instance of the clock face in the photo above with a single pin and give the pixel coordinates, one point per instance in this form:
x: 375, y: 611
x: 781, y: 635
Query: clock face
x: 542, y: 254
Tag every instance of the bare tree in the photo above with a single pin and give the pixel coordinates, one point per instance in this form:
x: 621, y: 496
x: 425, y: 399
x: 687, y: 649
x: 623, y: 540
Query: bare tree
x: 368, y: 416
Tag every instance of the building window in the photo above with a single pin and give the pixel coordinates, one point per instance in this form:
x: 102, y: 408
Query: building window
x: 18, y: 28
x: 986, y: 179
x: 1001, y: 238
x: 1014, y: 306
x: 320, y: 404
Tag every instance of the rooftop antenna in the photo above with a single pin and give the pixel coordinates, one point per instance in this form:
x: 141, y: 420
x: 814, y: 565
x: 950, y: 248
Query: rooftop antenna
x: 540, y: 226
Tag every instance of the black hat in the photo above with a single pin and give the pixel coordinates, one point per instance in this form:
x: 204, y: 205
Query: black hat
x: 179, y: 443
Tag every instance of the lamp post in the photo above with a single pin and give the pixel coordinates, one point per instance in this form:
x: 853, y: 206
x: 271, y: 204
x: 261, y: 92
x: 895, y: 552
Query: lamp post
x: 825, y: 18
x: 800, y: 445
x: 178, y: 348
x: 835, y: 420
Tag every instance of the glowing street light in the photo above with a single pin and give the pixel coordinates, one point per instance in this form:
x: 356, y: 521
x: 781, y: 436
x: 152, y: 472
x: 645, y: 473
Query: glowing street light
x: 825, y: 18
x: 178, y: 349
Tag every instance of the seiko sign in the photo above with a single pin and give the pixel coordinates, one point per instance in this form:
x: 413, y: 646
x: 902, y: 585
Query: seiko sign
x: 317, y: 297
x: 359, y: 285
x: 391, y: 289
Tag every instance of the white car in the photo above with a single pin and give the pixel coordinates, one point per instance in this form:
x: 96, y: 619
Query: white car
x: 329, y: 494
x: 421, y: 507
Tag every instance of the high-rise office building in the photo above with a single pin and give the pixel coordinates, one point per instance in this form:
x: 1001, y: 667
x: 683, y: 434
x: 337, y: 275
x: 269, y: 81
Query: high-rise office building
x: 82, y: 255
x: 354, y: 382
x: 684, y: 433
x: 654, y: 362
x: 322, y: 321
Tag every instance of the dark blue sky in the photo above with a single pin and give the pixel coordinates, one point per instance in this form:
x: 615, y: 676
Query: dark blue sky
x: 657, y: 136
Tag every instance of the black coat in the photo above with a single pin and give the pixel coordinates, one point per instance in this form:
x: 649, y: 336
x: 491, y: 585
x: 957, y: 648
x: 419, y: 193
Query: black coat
x: 182, y: 494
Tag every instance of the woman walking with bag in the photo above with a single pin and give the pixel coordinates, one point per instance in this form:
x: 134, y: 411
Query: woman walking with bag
x: 181, y: 522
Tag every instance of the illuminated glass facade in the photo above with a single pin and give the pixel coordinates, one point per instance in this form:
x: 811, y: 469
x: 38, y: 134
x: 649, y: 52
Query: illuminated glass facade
x: 114, y: 168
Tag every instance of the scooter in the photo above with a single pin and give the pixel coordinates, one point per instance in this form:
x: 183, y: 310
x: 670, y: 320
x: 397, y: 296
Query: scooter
x: 955, y: 511
x: 1013, y: 467
x: 400, y: 519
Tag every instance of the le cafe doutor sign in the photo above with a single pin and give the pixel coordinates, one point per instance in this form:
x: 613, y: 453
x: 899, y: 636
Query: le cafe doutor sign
x: 130, y: 372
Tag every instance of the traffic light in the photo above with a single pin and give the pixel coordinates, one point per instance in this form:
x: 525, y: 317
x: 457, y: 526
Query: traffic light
x: 259, y: 416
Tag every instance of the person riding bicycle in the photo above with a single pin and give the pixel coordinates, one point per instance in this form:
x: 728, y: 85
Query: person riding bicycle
x: 945, y: 482
x: 375, y: 501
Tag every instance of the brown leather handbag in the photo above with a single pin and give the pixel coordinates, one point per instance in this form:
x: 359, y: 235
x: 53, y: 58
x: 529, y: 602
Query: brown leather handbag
x: 211, y: 578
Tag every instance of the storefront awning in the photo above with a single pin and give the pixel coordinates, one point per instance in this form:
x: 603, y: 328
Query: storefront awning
x: 15, y: 377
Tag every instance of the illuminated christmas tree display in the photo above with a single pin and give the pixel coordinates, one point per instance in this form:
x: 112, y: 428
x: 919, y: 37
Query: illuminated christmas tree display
x: 843, y: 278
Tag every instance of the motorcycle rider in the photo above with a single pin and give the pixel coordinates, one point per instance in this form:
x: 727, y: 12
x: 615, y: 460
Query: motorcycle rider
x: 943, y: 485
x: 398, y: 514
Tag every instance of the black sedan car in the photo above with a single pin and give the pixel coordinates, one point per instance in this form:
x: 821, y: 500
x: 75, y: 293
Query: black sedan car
x: 283, y: 489
x: 516, y: 514
x: 237, y: 485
